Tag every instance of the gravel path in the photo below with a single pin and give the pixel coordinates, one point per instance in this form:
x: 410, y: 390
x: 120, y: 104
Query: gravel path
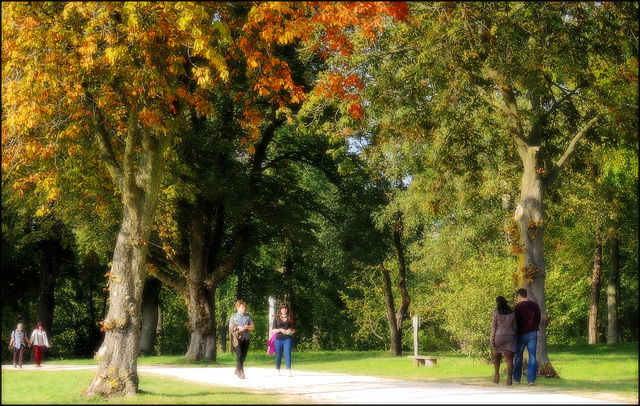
x: 351, y: 389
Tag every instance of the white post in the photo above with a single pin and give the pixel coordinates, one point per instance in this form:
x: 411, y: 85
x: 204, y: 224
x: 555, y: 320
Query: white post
x: 416, y: 326
x: 272, y: 313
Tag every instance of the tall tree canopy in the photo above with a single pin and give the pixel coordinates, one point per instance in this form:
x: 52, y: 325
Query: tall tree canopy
x: 118, y: 81
x: 536, y: 78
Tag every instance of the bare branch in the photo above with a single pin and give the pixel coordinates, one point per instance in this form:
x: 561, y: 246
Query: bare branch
x: 106, y: 149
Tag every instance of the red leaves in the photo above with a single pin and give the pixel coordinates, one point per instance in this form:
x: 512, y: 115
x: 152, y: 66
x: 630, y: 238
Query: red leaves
x: 356, y: 110
x: 272, y: 24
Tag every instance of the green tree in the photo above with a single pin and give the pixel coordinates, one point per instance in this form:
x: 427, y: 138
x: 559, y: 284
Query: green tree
x: 536, y: 77
x: 600, y: 192
x: 220, y: 208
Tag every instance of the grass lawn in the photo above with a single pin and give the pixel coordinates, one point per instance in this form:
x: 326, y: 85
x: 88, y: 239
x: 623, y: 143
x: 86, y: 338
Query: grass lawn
x: 608, y: 371
x: 65, y: 387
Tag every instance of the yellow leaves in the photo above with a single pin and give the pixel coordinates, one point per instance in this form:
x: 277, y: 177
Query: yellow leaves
x: 114, y: 54
x: 262, y: 91
x: 42, y: 211
x: 198, y: 46
x: 203, y: 76
x: 286, y: 38
x: 133, y: 22
x: 224, y: 75
x: 252, y: 62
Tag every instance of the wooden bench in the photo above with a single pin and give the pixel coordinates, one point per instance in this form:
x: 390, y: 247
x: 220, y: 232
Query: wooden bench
x: 426, y: 360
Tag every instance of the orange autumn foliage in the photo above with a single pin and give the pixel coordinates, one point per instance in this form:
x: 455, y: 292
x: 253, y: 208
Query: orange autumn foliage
x: 66, y: 65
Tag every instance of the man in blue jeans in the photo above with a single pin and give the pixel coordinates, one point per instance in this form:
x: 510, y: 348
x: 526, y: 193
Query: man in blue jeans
x: 527, y: 314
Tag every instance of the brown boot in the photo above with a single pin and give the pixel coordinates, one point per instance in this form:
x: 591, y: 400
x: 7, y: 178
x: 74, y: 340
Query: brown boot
x: 509, y: 357
x: 496, y: 366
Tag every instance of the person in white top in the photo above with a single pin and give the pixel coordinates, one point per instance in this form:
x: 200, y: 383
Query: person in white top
x: 39, y: 340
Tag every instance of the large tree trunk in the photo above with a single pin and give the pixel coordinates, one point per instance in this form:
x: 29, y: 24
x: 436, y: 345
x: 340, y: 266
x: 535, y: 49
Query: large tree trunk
x: 150, y: 302
x: 117, y: 369
x: 49, y: 270
x: 201, y: 325
x: 526, y: 134
x: 531, y: 263
x: 201, y: 314
x: 595, y: 289
x: 613, y: 331
x: 138, y: 177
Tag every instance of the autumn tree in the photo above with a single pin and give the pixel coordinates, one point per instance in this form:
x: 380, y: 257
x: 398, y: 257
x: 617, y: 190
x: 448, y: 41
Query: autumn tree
x: 116, y: 78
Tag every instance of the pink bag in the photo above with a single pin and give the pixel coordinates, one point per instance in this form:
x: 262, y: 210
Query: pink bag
x: 271, y: 346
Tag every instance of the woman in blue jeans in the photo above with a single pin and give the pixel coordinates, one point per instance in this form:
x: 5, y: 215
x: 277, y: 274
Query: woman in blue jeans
x: 284, y: 328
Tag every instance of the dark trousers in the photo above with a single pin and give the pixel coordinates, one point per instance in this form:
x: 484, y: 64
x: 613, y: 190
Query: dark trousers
x: 241, y: 353
x: 17, y: 355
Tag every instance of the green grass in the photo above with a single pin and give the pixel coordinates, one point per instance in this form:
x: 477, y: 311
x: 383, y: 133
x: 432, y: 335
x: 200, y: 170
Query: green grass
x: 65, y: 387
x: 608, y: 371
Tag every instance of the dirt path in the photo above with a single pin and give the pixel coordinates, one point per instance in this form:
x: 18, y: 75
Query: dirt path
x: 339, y: 388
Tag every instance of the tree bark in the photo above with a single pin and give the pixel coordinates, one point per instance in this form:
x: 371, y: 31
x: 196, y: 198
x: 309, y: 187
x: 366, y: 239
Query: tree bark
x: 531, y: 262
x: 138, y: 176
x: 396, y: 318
x: 117, y: 369
x: 150, y: 302
x: 49, y: 270
x: 390, y: 307
x: 223, y: 327
x: 613, y: 330
x: 201, y: 314
x: 402, y: 288
x: 595, y: 289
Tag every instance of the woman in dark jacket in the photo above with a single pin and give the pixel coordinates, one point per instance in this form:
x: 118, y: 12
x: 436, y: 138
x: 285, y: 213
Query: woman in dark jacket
x: 503, y: 337
x: 284, y: 328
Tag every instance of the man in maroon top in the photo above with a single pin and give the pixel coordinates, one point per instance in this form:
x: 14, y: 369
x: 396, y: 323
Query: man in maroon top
x: 528, y: 321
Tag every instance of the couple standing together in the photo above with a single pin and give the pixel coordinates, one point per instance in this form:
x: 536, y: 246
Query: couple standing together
x: 511, y: 332
x: 241, y: 323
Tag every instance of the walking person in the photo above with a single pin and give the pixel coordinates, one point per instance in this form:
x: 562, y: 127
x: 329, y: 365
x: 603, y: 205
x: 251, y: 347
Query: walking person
x: 527, y: 322
x: 503, y: 337
x: 18, y: 338
x: 284, y: 328
x: 39, y: 340
x: 239, y: 326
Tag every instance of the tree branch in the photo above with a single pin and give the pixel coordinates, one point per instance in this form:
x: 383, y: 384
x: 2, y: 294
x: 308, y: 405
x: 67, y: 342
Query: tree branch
x: 106, y: 149
x: 234, y: 256
x: 511, y: 109
x: 165, y: 276
x: 129, y: 180
x: 556, y: 105
x: 574, y: 141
